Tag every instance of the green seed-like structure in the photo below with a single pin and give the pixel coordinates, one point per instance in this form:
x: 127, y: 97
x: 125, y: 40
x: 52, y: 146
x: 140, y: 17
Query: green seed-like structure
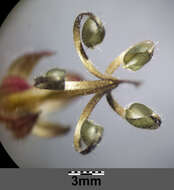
x: 141, y: 116
x: 91, y: 133
x: 56, y: 74
x: 54, y: 79
x: 138, y: 55
x: 92, y: 33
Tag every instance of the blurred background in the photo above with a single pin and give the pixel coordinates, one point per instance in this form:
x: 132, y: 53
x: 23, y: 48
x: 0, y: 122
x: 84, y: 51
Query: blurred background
x: 5, y: 8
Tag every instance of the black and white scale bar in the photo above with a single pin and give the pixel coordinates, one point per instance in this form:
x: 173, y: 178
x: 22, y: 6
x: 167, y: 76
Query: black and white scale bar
x: 86, y: 173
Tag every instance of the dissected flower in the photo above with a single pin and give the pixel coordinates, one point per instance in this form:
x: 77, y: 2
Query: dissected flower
x: 23, y: 103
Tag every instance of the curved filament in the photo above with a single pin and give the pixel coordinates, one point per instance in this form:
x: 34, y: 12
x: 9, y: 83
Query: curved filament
x: 80, y: 50
x: 113, y: 66
x: 114, y: 105
x: 84, y: 116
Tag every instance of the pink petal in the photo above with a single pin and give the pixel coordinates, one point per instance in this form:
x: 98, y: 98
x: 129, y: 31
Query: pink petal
x: 13, y: 84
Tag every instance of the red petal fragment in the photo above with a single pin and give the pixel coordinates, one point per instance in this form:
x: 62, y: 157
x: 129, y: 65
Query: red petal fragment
x: 73, y: 77
x: 22, y: 66
x: 22, y: 126
x: 14, y: 84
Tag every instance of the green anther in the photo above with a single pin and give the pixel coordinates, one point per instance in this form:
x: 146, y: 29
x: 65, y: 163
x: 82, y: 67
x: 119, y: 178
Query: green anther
x: 138, y: 55
x: 91, y: 133
x: 56, y: 74
x: 141, y: 116
x: 54, y: 79
x: 92, y: 33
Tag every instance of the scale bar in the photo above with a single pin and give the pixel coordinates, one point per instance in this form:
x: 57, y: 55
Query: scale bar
x: 73, y: 174
x: 86, y: 173
x: 98, y: 174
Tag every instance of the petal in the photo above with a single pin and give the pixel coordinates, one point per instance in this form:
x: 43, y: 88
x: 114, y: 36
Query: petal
x: 48, y: 130
x: 73, y: 77
x: 13, y: 84
x: 22, y: 125
x: 23, y: 65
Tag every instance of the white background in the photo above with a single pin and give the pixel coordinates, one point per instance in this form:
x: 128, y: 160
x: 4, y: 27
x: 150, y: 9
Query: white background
x: 47, y: 24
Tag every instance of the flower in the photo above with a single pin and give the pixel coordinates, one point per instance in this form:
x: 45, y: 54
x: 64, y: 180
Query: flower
x: 21, y: 104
